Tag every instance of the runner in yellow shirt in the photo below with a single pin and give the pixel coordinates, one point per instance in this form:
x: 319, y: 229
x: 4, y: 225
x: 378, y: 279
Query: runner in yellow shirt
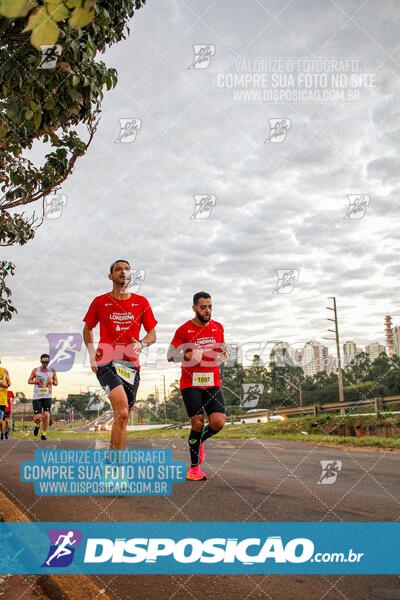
x: 4, y: 385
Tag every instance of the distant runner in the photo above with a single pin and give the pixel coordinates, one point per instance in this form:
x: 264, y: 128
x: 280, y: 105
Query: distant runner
x: 199, y: 345
x: 116, y: 361
x: 4, y: 385
x: 43, y: 379
x: 5, y: 418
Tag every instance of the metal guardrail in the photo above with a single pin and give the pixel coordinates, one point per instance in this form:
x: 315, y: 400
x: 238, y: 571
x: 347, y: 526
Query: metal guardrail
x: 315, y: 409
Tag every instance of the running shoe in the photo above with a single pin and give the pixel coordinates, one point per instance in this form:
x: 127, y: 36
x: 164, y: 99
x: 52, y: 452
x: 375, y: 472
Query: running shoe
x: 2, y: 435
x: 36, y: 431
x: 6, y: 434
x: 43, y: 437
x: 196, y: 474
x: 202, y: 454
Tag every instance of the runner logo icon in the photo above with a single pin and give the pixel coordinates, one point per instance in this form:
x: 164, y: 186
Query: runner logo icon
x: 61, y: 551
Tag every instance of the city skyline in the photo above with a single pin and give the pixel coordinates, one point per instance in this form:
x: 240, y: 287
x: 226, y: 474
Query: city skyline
x: 311, y: 363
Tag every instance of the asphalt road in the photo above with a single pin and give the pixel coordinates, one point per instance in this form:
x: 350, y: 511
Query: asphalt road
x: 249, y: 480
x: 103, y: 419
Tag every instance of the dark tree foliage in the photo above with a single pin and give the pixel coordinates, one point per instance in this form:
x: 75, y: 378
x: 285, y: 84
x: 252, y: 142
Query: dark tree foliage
x: 47, y: 105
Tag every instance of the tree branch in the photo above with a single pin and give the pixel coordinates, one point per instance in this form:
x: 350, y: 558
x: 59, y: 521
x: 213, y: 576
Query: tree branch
x: 44, y: 191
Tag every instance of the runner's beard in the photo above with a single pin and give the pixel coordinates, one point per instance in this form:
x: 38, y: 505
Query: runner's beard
x: 124, y: 282
x: 201, y: 318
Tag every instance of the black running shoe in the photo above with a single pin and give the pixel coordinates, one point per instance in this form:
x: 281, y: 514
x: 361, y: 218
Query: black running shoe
x: 2, y: 436
x: 6, y: 434
x: 36, y: 431
x: 43, y: 437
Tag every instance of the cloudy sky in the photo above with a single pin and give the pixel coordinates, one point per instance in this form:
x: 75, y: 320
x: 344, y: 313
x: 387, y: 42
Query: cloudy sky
x: 275, y: 205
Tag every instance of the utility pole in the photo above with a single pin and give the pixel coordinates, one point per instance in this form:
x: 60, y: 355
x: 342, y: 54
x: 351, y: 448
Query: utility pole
x: 156, y: 398
x: 165, y: 402
x: 336, y: 338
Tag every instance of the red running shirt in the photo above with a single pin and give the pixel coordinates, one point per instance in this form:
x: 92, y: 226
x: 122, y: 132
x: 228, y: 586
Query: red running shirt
x: 120, y: 321
x: 10, y: 396
x: 209, y: 339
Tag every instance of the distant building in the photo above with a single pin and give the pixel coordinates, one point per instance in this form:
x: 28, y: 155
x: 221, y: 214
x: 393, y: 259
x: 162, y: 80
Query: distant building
x: 333, y: 365
x: 315, y: 358
x: 325, y: 362
x: 396, y: 339
x: 282, y: 354
x: 374, y: 350
x: 349, y: 352
x: 298, y: 357
x: 389, y: 334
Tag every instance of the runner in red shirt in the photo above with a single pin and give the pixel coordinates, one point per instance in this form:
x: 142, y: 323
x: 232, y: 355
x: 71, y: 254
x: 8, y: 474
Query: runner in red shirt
x: 6, y: 416
x: 199, y: 345
x: 116, y: 360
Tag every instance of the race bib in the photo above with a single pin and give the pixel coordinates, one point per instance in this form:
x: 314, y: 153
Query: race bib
x: 203, y: 379
x: 126, y: 373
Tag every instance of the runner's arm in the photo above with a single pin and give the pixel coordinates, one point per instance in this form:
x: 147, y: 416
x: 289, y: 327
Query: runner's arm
x: 179, y: 354
x: 32, y: 377
x: 145, y: 342
x: 149, y: 338
x: 223, y: 354
x: 55, y: 378
x: 179, y: 350
x: 175, y: 354
x: 89, y: 343
x: 5, y: 384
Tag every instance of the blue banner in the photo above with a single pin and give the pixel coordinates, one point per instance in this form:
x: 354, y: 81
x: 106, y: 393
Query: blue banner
x: 139, y: 472
x: 201, y: 548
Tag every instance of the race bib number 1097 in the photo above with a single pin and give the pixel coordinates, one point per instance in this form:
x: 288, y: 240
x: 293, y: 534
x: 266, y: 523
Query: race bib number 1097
x: 203, y: 379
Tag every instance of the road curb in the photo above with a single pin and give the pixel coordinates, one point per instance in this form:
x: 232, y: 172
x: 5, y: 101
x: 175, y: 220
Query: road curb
x: 56, y: 587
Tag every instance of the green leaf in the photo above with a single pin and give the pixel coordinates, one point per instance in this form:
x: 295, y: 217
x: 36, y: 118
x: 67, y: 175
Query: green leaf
x: 16, y: 8
x: 12, y: 111
x: 44, y: 29
x: 37, y: 120
x: 37, y: 17
x: 74, y: 94
x: 75, y: 80
x: 49, y: 103
x: 46, y: 33
x: 80, y: 18
x: 58, y: 12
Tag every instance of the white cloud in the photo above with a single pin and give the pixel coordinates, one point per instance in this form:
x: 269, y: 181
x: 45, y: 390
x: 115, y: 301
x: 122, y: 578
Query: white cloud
x: 278, y: 205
